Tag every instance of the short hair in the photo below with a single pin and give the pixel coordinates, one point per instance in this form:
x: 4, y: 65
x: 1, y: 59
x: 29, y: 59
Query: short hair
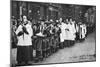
x: 24, y: 17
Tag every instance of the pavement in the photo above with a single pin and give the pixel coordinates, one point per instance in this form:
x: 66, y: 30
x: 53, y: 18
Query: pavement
x: 84, y: 51
x: 80, y: 52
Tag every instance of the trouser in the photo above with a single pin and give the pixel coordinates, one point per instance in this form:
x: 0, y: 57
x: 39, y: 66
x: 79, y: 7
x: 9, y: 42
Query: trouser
x: 57, y: 47
x: 77, y: 37
x: 52, y: 49
x: 82, y: 39
x: 67, y: 43
x: 61, y: 45
x: 48, y: 51
x: 57, y: 43
x: 44, y: 45
x: 44, y: 54
x: 72, y: 42
x: 39, y: 43
x: 24, y: 54
x: 39, y: 55
x: 45, y: 48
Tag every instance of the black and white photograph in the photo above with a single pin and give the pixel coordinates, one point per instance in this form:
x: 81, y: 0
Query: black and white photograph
x: 45, y: 33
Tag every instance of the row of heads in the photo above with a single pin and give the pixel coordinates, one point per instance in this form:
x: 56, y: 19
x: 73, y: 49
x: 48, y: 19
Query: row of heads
x: 60, y: 20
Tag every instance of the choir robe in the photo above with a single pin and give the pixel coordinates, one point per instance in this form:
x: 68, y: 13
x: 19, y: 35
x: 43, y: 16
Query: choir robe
x: 70, y: 35
x: 63, y: 32
x: 24, y: 45
x: 70, y: 32
x: 82, y: 31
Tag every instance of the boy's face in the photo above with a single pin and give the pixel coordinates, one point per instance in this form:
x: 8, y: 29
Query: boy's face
x: 24, y: 19
x: 66, y: 20
x: 42, y: 23
x: 60, y: 19
x: 70, y: 20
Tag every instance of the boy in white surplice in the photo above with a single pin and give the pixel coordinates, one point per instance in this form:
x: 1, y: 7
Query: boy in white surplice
x: 24, y: 45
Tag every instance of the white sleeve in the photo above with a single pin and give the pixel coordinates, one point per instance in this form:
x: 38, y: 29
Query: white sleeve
x: 18, y: 29
x: 85, y: 30
x: 74, y: 29
x: 77, y: 28
x: 30, y: 31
